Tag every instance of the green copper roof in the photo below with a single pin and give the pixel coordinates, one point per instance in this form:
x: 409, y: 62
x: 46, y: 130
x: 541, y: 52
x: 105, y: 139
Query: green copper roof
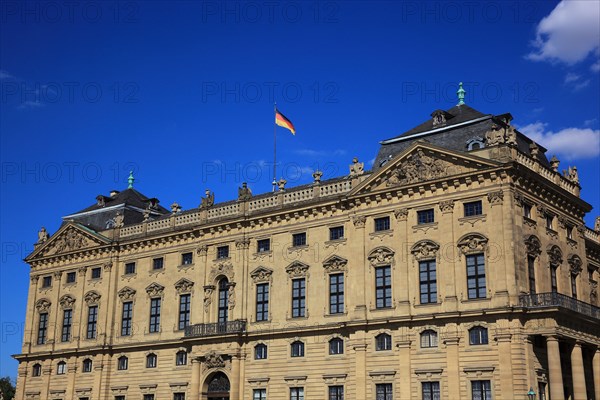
x: 461, y: 94
x: 130, y: 180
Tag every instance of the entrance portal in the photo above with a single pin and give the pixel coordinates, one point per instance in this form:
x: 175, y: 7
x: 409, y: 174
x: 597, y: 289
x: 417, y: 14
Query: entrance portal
x: 218, y: 387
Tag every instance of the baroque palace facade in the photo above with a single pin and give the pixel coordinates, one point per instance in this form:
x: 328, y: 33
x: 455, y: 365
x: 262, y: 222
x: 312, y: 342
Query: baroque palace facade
x: 459, y: 267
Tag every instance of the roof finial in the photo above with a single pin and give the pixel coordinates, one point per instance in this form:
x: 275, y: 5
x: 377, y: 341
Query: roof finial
x: 130, y: 180
x: 461, y: 94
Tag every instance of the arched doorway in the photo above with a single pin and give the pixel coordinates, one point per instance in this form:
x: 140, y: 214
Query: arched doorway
x: 218, y: 387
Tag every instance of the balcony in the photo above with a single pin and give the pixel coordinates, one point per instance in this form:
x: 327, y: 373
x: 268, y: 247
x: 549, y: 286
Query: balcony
x: 546, y: 300
x: 220, y: 328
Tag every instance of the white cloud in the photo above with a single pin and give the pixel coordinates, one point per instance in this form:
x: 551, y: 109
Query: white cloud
x: 571, y: 143
x: 571, y: 77
x: 595, y: 67
x: 581, y: 85
x: 569, y: 33
x: 574, y: 81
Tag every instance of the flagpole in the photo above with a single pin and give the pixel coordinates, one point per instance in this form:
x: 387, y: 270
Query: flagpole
x: 274, y: 146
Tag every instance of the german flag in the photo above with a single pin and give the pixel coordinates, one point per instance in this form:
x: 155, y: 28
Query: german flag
x: 281, y: 120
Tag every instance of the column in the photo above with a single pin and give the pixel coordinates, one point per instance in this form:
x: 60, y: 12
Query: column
x: 404, y: 369
x: 579, y: 392
x: 195, y: 383
x: 453, y: 367
x: 242, y: 371
x: 505, y: 359
x: 98, y: 366
x: 554, y: 370
x: 235, y: 378
x: 361, y: 370
x: 596, y: 370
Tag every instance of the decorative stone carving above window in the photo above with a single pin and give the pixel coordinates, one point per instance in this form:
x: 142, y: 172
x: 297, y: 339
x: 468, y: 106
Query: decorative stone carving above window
x: 297, y: 269
x: 66, y: 302
x: 126, y: 293
x: 43, y: 305
x: 555, y: 255
x: 446, y: 206
x: 92, y: 297
x: 401, y: 214
x: 473, y: 243
x: 202, y: 250
x: 425, y: 249
x: 575, y: 263
x: 222, y: 269
x: 518, y: 199
x: 381, y: 256
x: 418, y: 167
x: 262, y: 275
x: 242, y: 244
x: 213, y: 360
x: 154, y: 289
x: 496, y: 198
x: 359, y: 221
x: 107, y: 266
x: 335, y: 264
x: 184, y: 286
x: 533, y: 245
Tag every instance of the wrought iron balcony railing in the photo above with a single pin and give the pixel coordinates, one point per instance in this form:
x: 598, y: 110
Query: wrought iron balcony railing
x: 219, y: 328
x: 542, y: 300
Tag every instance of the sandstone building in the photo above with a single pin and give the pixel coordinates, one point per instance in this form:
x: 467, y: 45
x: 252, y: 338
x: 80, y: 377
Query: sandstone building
x: 459, y: 267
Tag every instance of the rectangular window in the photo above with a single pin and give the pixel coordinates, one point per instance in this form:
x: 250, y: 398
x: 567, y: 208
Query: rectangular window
x: 154, y: 315
x: 549, y: 220
x: 130, y: 268
x: 430, y: 390
x: 336, y: 233
x: 158, y: 263
x: 260, y: 351
x: 259, y: 394
x: 527, y: 210
x: 222, y: 252
x: 296, y: 393
x: 384, y: 391
x: 531, y: 273
x: 148, y: 397
x: 262, y: 302
x: 481, y: 390
x: 119, y: 397
x: 71, y: 276
x: 574, y: 285
x: 178, y: 396
x: 263, y: 245
x: 382, y: 224
x: 92, y: 322
x: 42, y: 328
x: 184, y: 311
x: 428, y: 281
x: 298, y: 297
x: 47, y: 282
x: 476, y: 276
x: 383, y: 286
x: 126, y: 318
x: 569, y: 232
x: 336, y: 393
x: 66, y: 327
x: 299, y: 239
x: 425, y: 216
x: 96, y: 273
x: 187, y: 258
x: 336, y: 293
x: 553, y: 283
x: 473, y: 208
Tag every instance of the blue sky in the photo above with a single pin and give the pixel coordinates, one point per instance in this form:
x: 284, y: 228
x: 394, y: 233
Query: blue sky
x: 182, y: 93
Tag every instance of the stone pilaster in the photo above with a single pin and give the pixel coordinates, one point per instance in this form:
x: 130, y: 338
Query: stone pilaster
x: 579, y: 391
x: 554, y: 369
x: 404, y: 369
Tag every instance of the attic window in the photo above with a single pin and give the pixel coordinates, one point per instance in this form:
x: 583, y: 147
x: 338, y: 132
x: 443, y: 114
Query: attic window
x: 475, y: 143
x: 439, y: 118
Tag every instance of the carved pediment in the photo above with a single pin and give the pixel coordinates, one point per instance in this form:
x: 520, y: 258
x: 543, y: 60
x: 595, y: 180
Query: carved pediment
x: 224, y: 268
x: 422, y: 162
x: 473, y: 243
x: 534, y: 246
x: 555, y: 255
x: 381, y: 256
x: 261, y: 274
x: 43, y: 305
x: 335, y: 263
x: 126, y: 293
x: 67, y: 301
x: 297, y: 270
x: 69, y: 238
x: 425, y: 249
x: 92, y: 297
x: 575, y: 264
x: 184, y: 286
x: 154, y: 289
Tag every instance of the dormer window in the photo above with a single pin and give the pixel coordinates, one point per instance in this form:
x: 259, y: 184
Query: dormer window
x: 439, y: 118
x: 475, y: 143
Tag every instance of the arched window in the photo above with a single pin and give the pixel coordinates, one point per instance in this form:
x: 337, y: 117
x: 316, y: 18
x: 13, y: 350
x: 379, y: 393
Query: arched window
x: 223, y: 300
x: 219, y: 384
x: 87, y: 365
x: 181, y: 357
x: 36, y: 370
x: 61, y: 368
x: 478, y: 335
x: 336, y: 346
x: 383, y: 341
x: 151, y: 360
x: 429, y: 338
x: 122, y: 363
x: 260, y: 351
x: 297, y: 349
